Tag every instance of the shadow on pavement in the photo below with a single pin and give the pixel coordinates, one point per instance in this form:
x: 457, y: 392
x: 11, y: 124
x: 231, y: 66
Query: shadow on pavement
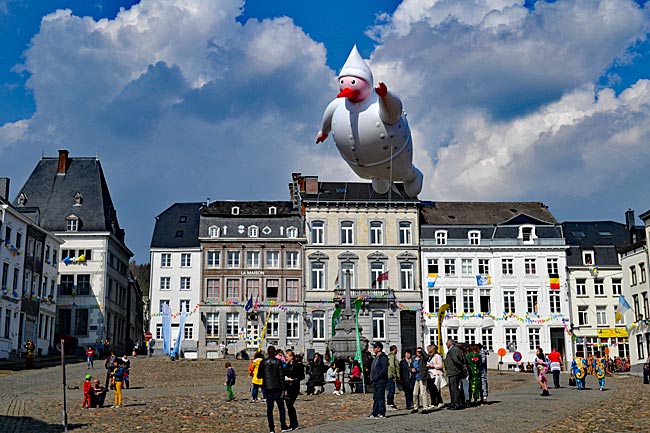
x: 27, y: 424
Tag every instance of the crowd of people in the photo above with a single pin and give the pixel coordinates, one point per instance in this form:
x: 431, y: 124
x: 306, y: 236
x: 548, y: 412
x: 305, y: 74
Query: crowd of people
x: 117, y: 378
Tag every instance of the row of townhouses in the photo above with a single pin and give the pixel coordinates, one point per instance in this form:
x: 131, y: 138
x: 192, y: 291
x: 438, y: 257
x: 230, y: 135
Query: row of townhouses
x: 65, y: 262
x: 513, y: 276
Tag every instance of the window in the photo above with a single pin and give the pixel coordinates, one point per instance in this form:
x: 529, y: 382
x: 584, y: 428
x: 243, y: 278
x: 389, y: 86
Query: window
x: 184, y: 306
x: 81, y: 322
x: 347, y: 233
x: 378, y: 325
x: 346, y: 267
x: 38, y: 251
x: 7, y: 234
x: 581, y: 287
x: 467, y: 267
x: 487, y: 339
x: 273, y: 325
x: 642, y: 272
x: 30, y: 243
x: 212, y: 288
x: 507, y: 267
x: 232, y: 324
x: 272, y: 288
x: 588, y: 258
x: 292, y: 232
x: 633, y: 275
x: 601, y: 316
x: 273, y: 259
x: 406, y: 276
x: 552, y: 266
x: 534, y: 340
x: 54, y: 257
x: 470, y: 335
x: 252, y: 288
x: 450, y: 298
x: 47, y: 253
x: 474, y: 238
x: 376, y: 270
x: 252, y: 259
x: 28, y: 282
x: 583, y: 318
x: 485, y: 300
x: 293, y: 290
x: 468, y: 300
x: 318, y: 325
x: 511, y: 339
x: 211, y: 325
x: 635, y: 299
x: 530, y: 266
x: 188, y: 332
x: 531, y: 301
x: 83, y: 284
x: 253, y: 231
x: 527, y: 234
x: 433, y: 336
x: 405, y: 233
x: 213, y: 232
x: 432, y: 266
x: 483, y: 266
x: 162, y: 304
x: 158, y: 332
x: 213, y: 258
x: 67, y: 285
x: 234, y: 211
x: 617, y: 286
x: 509, y: 301
x: 179, y: 233
x: 293, y: 325
x: 434, y: 300
x: 376, y: 233
x: 165, y: 260
x: 186, y: 260
x: 450, y: 267
x: 318, y: 275
x: 645, y: 305
x: 186, y: 283
x: 232, y: 259
x: 72, y: 224
x: 554, y: 301
x: 452, y: 333
x: 639, y: 346
x: 273, y: 210
x: 232, y: 289
x: 599, y: 287
x: 317, y: 232
x: 441, y: 237
x: 292, y: 258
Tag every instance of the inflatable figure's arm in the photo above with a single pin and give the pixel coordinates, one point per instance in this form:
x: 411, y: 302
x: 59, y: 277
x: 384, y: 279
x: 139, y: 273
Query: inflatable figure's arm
x: 390, y: 106
x: 327, y: 121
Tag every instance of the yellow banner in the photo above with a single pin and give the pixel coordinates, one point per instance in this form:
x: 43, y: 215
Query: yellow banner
x: 441, y: 317
x: 613, y: 333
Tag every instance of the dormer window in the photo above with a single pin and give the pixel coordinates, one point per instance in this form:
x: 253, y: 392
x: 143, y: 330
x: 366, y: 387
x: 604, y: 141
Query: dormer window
x: 22, y: 199
x: 527, y: 234
x: 72, y: 223
x: 292, y: 232
x: 441, y: 237
x: 588, y: 258
x: 234, y: 210
x: 253, y: 231
x: 474, y: 238
x: 273, y: 210
x: 213, y: 231
x: 182, y: 219
x: 78, y: 199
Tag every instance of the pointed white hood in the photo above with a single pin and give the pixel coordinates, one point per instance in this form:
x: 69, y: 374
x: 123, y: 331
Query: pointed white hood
x: 355, y: 66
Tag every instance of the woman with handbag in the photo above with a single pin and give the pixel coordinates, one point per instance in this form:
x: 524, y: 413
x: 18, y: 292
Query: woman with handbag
x: 294, y: 373
x: 436, y: 375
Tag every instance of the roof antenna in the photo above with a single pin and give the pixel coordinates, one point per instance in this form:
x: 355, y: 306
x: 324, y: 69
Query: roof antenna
x: 97, y: 155
x: 207, y: 201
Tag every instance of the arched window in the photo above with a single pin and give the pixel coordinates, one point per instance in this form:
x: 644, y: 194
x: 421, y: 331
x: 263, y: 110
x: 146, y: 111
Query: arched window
x: 72, y: 223
x: 253, y: 231
x: 213, y: 232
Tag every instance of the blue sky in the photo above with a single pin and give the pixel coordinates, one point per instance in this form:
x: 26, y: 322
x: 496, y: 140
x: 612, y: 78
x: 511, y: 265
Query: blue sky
x: 183, y: 100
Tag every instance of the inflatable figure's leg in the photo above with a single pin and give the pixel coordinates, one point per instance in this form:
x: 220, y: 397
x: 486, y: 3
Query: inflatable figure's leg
x: 381, y: 186
x: 413, y: 186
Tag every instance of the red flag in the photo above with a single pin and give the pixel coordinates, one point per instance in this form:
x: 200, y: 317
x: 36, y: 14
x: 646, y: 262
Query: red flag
x: 382, y: 277
x: 257, y: 302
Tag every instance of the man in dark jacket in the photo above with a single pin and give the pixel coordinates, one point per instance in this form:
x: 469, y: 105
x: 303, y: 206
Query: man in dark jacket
x: 455, y: 367
x: 270, y: 371
x: 407, y: 378
x: 379, y: 379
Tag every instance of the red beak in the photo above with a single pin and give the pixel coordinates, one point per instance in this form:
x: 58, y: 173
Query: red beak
x: 348, y: 93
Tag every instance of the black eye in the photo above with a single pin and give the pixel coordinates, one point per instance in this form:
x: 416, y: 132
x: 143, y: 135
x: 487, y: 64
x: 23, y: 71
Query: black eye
x: 341, y: 82
x: 353, y: 81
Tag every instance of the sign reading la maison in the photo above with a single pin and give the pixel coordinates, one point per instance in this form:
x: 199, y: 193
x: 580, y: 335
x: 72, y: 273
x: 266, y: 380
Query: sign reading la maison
x: 252, y: 273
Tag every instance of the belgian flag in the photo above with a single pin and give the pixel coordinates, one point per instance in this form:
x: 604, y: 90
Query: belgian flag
x: 554, y: 280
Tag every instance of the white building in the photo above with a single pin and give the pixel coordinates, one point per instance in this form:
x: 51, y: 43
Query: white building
x: 493, y: 264
x: 176, y: 274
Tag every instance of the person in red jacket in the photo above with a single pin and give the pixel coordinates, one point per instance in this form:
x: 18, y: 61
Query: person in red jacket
x: 88, y: 391
x: 90, y: 357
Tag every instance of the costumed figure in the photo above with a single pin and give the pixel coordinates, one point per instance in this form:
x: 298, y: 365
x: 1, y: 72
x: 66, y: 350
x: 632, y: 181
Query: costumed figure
x: 370, y: 129
x: 541, y: 367
x: 600, y: 370
x: 579, y: 370
x: 474, y: 368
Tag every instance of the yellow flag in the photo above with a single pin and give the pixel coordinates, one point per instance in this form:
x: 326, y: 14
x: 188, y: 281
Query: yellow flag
x: 441, y: 316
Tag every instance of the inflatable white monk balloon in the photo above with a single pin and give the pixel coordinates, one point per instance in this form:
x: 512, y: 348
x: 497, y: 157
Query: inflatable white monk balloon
x: 370, y: 130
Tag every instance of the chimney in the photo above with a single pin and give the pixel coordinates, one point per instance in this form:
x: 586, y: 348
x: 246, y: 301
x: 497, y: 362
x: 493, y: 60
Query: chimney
x: 4, y: 188
x: 630, y: 224
x: 311, y: 185
x: 63, y: 162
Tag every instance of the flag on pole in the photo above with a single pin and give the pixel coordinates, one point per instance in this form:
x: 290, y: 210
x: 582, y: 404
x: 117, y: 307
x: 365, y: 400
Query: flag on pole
x: 358, y: 355
x: 67, y: 261
x: 382, y: 277
x: 621, y: 308
x: 431, y: 280
x: 554, y: 281
x: 249, y: 304
x: 483, y: 280
x: 257, y: 302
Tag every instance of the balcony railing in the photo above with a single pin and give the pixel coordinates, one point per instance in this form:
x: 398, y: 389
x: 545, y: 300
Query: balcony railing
x: 366, y: 293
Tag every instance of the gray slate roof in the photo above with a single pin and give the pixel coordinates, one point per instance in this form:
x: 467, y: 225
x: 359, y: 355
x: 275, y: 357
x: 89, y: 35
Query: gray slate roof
x: 170, y: 223
x: 601, y: 237
x: 54, y: 195
x: 356, y: 191
x: 484, y: 213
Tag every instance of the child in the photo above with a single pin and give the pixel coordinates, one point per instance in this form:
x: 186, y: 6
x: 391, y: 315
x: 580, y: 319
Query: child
x: 230, y: 381
x: 87, y: 392
x: 118, y: 380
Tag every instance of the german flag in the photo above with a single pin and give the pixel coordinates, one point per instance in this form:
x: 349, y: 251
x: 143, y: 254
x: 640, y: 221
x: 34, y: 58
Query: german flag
x: 554, y: 280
